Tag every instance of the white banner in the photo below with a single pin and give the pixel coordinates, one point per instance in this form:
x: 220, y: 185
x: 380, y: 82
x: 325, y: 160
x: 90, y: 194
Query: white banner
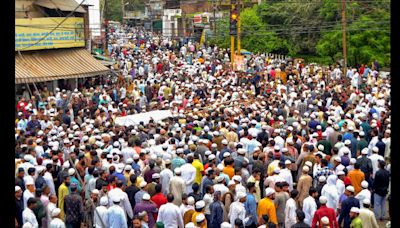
x: 145, y: 117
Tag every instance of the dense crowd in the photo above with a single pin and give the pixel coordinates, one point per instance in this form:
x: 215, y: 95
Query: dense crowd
x: 278, y: 144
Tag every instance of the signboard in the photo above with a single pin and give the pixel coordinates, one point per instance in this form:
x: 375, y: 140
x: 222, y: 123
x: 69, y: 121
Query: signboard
x: 132, y: 120
x: 239, y: 62
x: 197, y: 19
x: 29, y: 31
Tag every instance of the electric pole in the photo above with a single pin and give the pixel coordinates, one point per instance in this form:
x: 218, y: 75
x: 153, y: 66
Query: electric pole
x: 344, y: 37
x: 233, y: 29
x: 106, y: 27
x: 123, y: 11
x: 238, y: 27
x: 214, y: 22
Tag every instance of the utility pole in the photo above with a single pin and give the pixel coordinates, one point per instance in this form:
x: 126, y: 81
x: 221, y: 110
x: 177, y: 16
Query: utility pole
x: 233, y: 29
x: 214, y: 22
x: 238, y: 27
x: 123, y: 11
x: 344, y: 36
x: 106, y: 27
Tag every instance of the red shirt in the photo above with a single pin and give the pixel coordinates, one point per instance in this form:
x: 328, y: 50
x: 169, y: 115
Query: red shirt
x: 347, y: 181
x: 325, y: 211
x: 159, y: 199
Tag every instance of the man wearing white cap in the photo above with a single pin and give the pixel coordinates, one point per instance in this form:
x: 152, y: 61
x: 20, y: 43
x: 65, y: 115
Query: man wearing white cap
x: 266, y: 206
x: 347, y: 204
x: 286, y: 174
x: 364, y: 194
x: 56, y: 222
x: 170, y: 214
x: 29, y: 191
x: 309, y: 205
x: 28, y: 215
x: 177, y: 186
x: 188, y: 172
x: 19, y: 204
x: 330, y: 192
x: 324, y: 212
x: 356, y: 221
x: 125, y: 203
x: 367, y: 216
x: 116, y: 215
x: 303, y: 185
x: 165, y: 176
x: 237, y: 209
x: 375, y: 157
x: 100, y: 215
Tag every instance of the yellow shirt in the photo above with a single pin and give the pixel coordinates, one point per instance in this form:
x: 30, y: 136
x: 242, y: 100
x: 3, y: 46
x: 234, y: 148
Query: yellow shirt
x: 267, y: 207
x: 194, y: 219
x: 62, y: 193
x: 230, y: 171
x: 139, y: 180
x: 199, y: 169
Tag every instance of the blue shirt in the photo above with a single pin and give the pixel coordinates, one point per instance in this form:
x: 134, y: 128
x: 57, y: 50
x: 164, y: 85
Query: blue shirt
x: 348, y: 136
x: 217, y: 215
x: 251, y: 207
x: 347, y: 204
x: 116, y: 217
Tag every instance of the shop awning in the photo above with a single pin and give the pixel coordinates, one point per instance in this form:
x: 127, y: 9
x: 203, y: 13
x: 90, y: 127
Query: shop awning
x: 49, y: 65
x: 63, y: 5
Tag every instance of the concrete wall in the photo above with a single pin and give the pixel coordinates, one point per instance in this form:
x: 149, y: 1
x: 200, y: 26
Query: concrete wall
x: 170, y: 22
x: 94, y: 16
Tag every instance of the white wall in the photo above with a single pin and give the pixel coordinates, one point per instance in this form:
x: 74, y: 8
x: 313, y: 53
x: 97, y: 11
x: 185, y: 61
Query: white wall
x: 94, y: 16
x: 170, y: 22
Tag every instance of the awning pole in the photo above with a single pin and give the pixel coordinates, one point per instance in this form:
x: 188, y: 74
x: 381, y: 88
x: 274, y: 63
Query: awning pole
x: 40, y: 97
x: 29, y: 89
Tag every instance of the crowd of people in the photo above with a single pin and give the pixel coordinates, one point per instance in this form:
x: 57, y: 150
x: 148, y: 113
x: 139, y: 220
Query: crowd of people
x: 277, y: 144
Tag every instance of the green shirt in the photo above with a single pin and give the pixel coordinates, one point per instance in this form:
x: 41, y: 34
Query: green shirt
x: 362, y: 144
x: 327, y: 146
x: 356, y: 223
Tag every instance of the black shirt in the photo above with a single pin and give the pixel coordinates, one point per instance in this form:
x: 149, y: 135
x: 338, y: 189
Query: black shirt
x: 19, y: 207
x: 300, y: 225
x: 131, y: 191
x: 381, y: 182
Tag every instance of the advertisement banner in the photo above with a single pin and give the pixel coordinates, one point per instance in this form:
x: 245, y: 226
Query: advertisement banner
x: 29, y: 31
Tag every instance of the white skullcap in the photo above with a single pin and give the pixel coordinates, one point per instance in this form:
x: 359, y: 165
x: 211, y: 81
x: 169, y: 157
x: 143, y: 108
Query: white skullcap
x: 220, y: 167
x: 190, y: 225
x: 17, y: 188
x: 364, y: 184
x: 200, y: 217
x: 350, y: 188
x: 71, y: 171
x: 355, y: 210
x: 240, y: 195
x: 226, y: 225
x: 146, y: 196
x: 237, y: 178
x: 323, y: 199
x: 338, y: 159
x: 55, y: 212
x: 325, y: 220
x: 207, y: 153
x: 200, y: 204
x: 288, y: 162
x: 155, y: 176
x: 366, y: 201
x: 306, y: 168
x: 214, y: 145
x: 269, y: 191
x: 211, y: 157
x: 364, y: 151
x: 321, y: 147
x: 220, y: 178
x: 177, y: 170
x: 277, y: 147
x: 319, y: 127
x: 95, y: 191
x: 143, y: 184
x: 104, y: 201
x: 375, y: 149
x: 341, y: 172
x: 308, y: 163
x: 224, y: 141
x: 322, y: 179
x: 226, y: 154
x: 347, y: 142
x: 241, y: 151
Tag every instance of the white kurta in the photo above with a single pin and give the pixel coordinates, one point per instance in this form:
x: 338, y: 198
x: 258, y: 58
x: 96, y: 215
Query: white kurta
x: 102, y: 213
x: 29, y: 216
x: 188, y: 174
x: 50, y: 182
x: 330, y: 191
x: 57, y: 223
x: 236, y: 211
x: 165, y: 177
x: 363, y: 194
x: 375, y: 161
x: 290, y: 213
x: 125, y: 204
x: 177, y: 187
x: 309, y: 208
x: 170, y: 215
x: 287, y: 176
x: 27, y: 194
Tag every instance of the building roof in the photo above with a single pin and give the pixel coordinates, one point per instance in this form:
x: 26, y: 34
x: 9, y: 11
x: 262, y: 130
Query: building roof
x: 49, y: 65
x: 64, y: 5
